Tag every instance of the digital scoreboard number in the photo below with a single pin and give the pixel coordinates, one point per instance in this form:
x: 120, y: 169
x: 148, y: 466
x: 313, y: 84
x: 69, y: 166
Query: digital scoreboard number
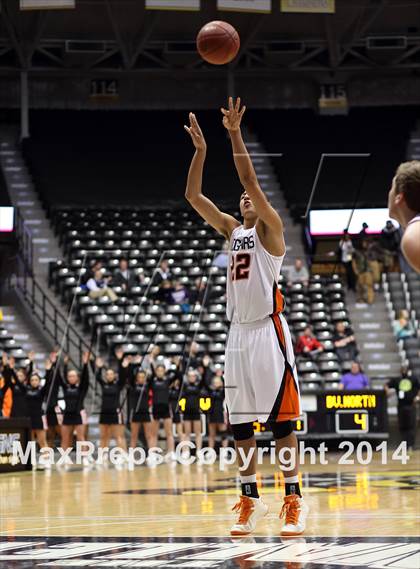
x: 300, y: 426
x: 349, y: 422
x: 329, y: 414
x: 205, y: 404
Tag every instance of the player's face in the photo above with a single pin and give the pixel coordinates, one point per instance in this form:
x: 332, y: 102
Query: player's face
x: 246, y: 206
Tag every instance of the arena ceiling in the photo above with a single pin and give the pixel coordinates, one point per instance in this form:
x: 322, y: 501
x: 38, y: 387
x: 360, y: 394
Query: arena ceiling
x: 375, y: 36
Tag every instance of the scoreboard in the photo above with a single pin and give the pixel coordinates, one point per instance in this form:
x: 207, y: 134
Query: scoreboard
x: 336, y: 414
x: 328, y: 415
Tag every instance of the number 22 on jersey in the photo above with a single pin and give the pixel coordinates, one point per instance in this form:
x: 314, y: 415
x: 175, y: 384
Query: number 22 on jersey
x: 240, y: 266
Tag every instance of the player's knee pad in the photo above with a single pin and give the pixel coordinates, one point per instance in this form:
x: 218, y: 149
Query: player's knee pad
x: 281, y: 429
x: 242, y: 431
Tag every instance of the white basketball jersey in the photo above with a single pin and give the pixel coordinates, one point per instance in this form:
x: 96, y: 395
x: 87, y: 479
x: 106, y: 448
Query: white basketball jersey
x: 415, y: 219
x: 253, y: 274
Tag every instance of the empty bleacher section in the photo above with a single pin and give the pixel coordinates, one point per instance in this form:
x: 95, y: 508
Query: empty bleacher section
x: 18, y: 338
x: 133, y: 158
x: 376, y: 341
x: 302, y: 137
x: 402, y: 292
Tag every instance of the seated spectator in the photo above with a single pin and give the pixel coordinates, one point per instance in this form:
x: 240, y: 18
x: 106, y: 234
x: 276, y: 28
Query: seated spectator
x: 98, y: 286
x: 354, y: 379
x: 364, y: 277
x: 90, y: 272
x: 390, y: 242
x: 221, y: 259
x: 403, y: 327
x: 299, y: 273
x: 308, y: 345
x: 164, y: 292
x: 197, y: 293
x: 344, y: 343
x: 180, y: 295
x: 162, y: 273
x: 124, y: 277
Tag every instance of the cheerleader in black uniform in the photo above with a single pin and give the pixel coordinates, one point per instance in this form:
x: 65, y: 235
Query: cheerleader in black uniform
x: 35, y: 395
x: 191, y: 391
x: 110, y: 419
x: 217, y: 423
x: 160, y: 390
x: 17, y: 380
x: 53, y: 411
x: 75, y: 388
x: 175, y: 381
x: 138, y: 399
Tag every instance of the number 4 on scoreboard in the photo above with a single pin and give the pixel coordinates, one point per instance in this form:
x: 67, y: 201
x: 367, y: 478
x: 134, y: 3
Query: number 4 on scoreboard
x: 349, y: 422
x: 361, y: 419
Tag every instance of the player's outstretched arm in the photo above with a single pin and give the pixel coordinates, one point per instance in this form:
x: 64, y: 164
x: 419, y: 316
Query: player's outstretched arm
x: 221, y: 222
x: 232, y: 122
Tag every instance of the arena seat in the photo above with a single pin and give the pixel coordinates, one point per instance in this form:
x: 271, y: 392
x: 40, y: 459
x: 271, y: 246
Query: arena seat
x: 403, y: 292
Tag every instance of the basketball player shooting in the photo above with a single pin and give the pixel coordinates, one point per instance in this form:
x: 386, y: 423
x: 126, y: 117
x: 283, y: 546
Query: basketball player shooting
x: 260, y: 379
x: 404, y: 206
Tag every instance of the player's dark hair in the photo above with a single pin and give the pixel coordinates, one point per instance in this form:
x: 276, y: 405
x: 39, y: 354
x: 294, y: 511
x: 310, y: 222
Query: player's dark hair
x: 407, y: 182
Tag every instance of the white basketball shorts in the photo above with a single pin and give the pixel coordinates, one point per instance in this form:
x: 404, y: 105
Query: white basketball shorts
x: 260, y: 373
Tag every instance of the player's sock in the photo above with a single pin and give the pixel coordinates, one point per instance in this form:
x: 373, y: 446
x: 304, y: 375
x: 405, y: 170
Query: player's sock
x: 292, y: 485
x: 249, y: 486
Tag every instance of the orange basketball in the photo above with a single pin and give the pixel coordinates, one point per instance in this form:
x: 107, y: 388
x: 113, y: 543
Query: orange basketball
x: 218, y: 42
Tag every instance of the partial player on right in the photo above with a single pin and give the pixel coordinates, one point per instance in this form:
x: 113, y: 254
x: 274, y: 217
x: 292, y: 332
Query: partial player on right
x: 404, y: 206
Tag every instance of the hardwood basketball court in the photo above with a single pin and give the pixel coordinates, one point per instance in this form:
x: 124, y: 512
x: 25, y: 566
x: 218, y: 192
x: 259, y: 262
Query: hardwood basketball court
x: 179, y: 516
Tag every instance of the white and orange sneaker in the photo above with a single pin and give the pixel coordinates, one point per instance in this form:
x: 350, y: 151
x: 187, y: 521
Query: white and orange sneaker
x: 250, y: 511
x: 295, y: 511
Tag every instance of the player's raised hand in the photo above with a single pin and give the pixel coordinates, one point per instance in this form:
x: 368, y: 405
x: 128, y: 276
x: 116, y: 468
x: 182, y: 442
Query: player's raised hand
x: 233, y: 115
x: 196, y: 133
